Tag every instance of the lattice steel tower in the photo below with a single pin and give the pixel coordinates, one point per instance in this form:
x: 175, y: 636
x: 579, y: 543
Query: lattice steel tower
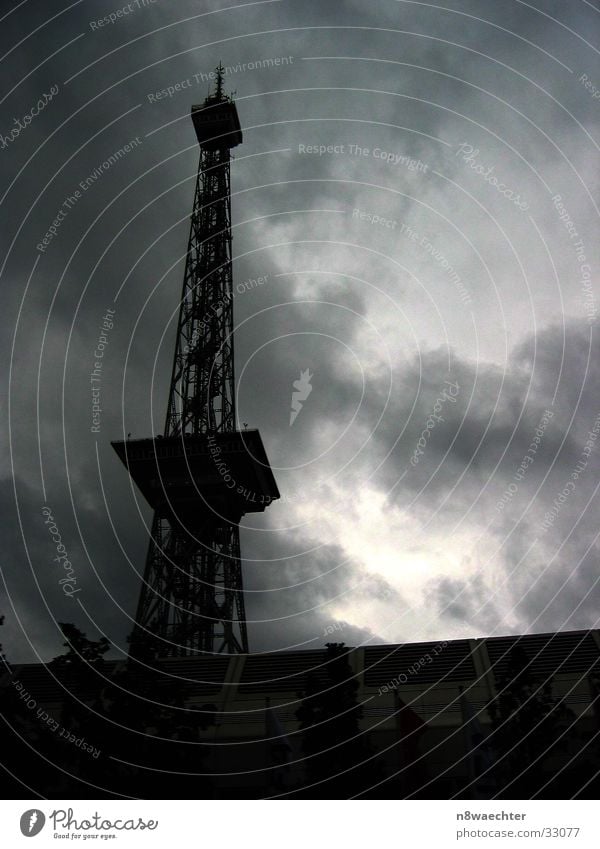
x: 203, y: 474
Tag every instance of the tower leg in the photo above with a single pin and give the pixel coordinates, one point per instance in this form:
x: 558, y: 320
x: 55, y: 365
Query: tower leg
x: 192, y: 596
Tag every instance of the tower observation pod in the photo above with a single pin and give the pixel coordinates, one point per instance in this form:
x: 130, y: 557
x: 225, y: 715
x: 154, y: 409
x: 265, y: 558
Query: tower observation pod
x: 203, y: 474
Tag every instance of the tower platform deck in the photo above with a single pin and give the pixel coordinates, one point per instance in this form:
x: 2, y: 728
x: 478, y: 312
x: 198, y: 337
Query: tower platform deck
x: 228, y: 473
x: 217, y: 124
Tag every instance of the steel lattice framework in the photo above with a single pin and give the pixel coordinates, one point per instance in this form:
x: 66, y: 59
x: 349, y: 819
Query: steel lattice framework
x: 192, y: 595
x: 201, y: 399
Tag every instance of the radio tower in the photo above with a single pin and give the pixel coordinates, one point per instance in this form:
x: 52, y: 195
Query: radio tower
x: 203, y: 475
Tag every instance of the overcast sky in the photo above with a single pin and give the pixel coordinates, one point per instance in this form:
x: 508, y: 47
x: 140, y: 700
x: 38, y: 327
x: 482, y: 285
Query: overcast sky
x: 418, y: 189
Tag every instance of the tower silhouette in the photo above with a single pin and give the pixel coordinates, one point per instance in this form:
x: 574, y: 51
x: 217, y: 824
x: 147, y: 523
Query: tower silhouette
x: 203, y: 475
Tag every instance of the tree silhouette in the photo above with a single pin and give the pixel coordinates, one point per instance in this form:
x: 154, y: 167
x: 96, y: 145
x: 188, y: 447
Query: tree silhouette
x: 2, y: 657
x: 527, y: 723
x: 81, y: 651
x: 29, y: 749
x: 332, y: 742
x: 139, y: 719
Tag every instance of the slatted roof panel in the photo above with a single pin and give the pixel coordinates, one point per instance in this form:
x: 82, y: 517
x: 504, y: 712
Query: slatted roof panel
x: 51, y: 684
x: 572, y: 653
x: 283, y: 671
x: 421, y: 663
x: 567, y: 653
x: 197, y: 675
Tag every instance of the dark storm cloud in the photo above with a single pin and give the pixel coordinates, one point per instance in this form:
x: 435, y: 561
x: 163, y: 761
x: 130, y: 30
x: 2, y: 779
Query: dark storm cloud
x: 465, y: 602
x: 293, y: 595
x: 546, y: 570
x: 497, y: 411
x: 472, y: 474
x: 440, y: 79
x: 58, y: 568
